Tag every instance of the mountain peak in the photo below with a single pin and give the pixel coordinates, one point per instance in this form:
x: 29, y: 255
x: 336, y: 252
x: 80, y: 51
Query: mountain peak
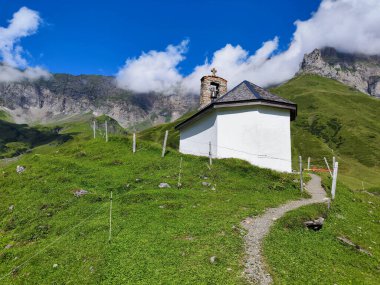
x: 359, y: 71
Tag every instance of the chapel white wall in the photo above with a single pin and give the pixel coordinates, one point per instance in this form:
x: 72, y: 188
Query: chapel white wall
x: 257, y: 134
x: 195, y: 139
x: 260, y: 135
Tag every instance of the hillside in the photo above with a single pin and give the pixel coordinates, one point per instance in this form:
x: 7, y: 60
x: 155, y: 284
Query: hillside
x: 333, y: 120
x: 169, y: 235
x: 159, y: 235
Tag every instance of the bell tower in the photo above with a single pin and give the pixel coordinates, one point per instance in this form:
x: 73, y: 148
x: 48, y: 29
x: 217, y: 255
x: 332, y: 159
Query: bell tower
x: 212, y: 87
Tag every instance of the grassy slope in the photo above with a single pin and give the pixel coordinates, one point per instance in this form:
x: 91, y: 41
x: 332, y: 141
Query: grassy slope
x: 334, y: 119
x: 15, y: 139
x: 157, y: 133
x: 300, y: 256
x: 159, y: 235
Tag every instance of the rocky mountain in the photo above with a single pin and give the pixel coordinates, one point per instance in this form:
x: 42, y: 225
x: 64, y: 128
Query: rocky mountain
x: 356, y: 70
x: 65, y: 95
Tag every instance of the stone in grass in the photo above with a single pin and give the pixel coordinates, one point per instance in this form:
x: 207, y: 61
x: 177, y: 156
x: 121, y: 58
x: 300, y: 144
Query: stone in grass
x: 20, y: 169
x: 315, y: 225
x: 213, y: 259
x: 164, y: 185
x: 207, y: 184
x: 80, y: 193
x: 8, y: 246
x: 55, y: 265
x: 11, y: 207
x: 138, y: 180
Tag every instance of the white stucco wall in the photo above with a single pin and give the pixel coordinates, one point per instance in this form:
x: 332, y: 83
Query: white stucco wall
x: 195, y: 139
x: 258, y: 134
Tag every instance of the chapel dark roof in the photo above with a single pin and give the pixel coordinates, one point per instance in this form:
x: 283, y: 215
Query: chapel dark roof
x: 249, y: 91
x: 245, y: 94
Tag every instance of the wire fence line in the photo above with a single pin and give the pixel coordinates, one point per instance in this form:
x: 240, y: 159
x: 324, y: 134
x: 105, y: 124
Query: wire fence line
x: 71, y: 229
x: 266, y: 156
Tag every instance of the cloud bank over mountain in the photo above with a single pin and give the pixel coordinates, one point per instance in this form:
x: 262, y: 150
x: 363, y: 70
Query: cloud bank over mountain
x: 348, y: 25
x: 14, y: 67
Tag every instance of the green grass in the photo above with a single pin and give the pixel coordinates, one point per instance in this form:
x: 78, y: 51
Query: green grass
x: 335, y: 120
x: 297, y: 255
x: 4, y: 116
x: 16, y: 139
x: 159, y: 236
x: 157, y: 133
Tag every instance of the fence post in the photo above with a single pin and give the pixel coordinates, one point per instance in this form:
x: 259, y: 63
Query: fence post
x: 179, y: 174
x: 106, y: 131
x: 308, y: 163
x: 94, y: 128
x: 328, y: 167
x: 335, y: 176
x: 164, y: 144
x: 210, y: 153
x: 333, y: 164
x: 110, y: 229
x: 134, y: 143
x: 301, y: 178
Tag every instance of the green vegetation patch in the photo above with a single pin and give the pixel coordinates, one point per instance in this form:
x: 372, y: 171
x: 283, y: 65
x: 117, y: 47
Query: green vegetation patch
x: 297, y: 255
x: 159, y: 235
x: 335, y: 120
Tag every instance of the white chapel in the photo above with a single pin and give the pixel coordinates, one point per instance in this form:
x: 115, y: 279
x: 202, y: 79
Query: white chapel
x: 247, y: 122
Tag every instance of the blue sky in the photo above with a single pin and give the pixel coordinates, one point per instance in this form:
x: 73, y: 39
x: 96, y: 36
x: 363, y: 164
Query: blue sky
x: 96, y: 37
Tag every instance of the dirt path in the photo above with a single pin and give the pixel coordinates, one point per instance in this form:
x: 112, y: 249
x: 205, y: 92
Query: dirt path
x: 258, y: 228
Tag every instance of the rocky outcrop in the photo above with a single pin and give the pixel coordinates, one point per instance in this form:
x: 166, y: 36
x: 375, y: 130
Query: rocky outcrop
x: 356, y: 70
x: 66, y: 95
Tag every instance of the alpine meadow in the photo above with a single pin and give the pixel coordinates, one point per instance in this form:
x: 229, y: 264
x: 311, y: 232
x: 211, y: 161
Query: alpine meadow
x: 180, y: 142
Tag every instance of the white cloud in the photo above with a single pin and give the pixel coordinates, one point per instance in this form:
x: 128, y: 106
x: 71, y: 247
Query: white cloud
x: 348, y: 25
x: 25, y: 22
x: 153, y: 71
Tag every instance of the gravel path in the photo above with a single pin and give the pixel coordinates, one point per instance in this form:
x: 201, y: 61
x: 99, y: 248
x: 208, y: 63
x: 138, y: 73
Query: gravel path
x: 258, y: 228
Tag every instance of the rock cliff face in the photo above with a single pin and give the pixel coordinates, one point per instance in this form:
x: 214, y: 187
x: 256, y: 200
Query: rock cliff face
x: 65, y: 95
x: 358, y: 71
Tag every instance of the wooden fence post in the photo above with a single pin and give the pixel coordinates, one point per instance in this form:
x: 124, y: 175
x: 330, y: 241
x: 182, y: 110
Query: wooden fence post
x: 301, y: 178
x: 328, y: 167
x: 164, y: 144
x: 333, y: 164
x: 335, y: 176
x: 210, y: 153
x: 106, y: 125
x: 308, y: 163
x: 179, y: 184
x: 134, y: 143
x: 94, y: 128
x: 110, y: 229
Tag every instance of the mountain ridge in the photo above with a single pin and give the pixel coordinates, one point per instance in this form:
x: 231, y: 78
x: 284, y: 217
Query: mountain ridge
x: 359, y: 71
x: 63, y: 95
